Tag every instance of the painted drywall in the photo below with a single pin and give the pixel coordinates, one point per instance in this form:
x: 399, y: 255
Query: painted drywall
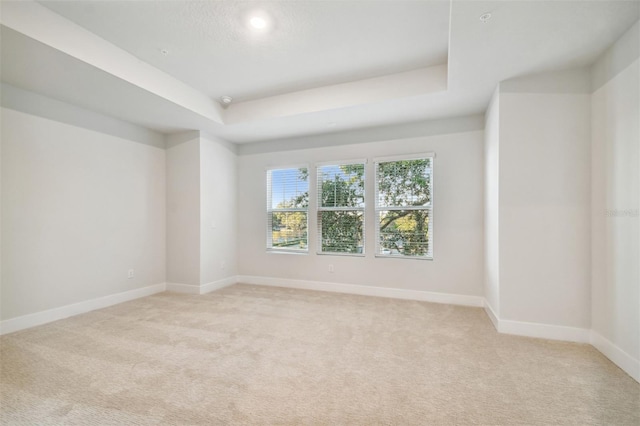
x: 201, y: 212
x: 79, y: 209
x: 183, y: 208
x: 39, y: 23
x: 618, y: 57
x: 615, y: 213
x: 491, y: 204
x: 1, y: 214
x: 544, y: 202
x: 575, y: 80
x: 466, y: 123
x: 457, y: 267
x: 404, y: 84
x: 36, y: 104
x: 218, y: 189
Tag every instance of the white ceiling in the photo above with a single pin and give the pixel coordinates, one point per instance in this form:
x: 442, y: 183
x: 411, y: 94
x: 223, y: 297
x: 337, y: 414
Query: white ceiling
x: 312, y: 72
x: 309, y: 44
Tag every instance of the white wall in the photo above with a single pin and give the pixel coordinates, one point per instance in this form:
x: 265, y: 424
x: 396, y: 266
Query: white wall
x: 537, y: 205
x: 457, y: 267
x: 183, y: 209
x: 201, y: 212
x: 79, y: 208
x: 218, y: 225
x: 544, y: 208
x: 569, y: 197
x: 615, y: 204
x: 491, y: 204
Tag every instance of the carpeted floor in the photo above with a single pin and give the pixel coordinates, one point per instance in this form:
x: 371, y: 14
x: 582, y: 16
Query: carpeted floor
x: 260, y: 355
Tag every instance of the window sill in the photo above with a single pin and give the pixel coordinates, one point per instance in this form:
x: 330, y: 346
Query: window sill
x: 389, y: 256
x: 340, y: 254
x: 297, y: 253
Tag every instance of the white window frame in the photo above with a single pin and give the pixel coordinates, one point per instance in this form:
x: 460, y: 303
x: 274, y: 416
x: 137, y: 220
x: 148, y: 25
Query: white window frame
x: 271, y: 210
x: 320, y: 208
x: 428, y: 207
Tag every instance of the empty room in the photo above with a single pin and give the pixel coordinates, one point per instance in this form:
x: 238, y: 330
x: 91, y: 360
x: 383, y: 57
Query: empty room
x: 320, y: 212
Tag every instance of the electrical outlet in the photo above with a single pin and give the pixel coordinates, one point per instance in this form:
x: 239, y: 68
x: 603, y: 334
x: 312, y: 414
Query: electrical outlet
x: 331, y: 270
x: 130, y: 274
x: 223, y: 265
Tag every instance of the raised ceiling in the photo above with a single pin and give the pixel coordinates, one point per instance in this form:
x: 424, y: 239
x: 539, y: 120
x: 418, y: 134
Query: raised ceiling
x: 324, y: 66
x: 308, y: 44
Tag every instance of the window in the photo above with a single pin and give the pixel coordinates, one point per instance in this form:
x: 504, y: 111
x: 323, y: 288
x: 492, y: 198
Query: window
x: 341, y: 208
x: 287, y: 209
x: 404, y: 207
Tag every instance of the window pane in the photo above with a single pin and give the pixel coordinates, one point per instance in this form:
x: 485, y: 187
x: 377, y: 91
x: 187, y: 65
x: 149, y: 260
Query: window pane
x: 404, y: 183
x: 341, y: 185
x: 405, y: 233
x: 289, y: 230
x: 289, y: 188
x: 342, y: 231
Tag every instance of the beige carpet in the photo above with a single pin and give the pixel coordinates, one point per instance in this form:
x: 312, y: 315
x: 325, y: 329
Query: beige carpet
x: 258, y: 355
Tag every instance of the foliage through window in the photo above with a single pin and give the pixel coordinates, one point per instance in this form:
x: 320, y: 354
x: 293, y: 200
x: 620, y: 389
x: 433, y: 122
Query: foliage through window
x: 287, y: 209
x: 404, y: 207
x: 341, y: 208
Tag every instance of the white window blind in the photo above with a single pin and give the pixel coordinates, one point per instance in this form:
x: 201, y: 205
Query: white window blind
x: 287, y: 209
x: 404, y: 207
x: 341, y: 208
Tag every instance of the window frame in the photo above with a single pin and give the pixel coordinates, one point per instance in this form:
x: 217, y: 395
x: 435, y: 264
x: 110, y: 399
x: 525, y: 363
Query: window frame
x: 270, y: 210
x: 319, y: 208
x: 430, y: 207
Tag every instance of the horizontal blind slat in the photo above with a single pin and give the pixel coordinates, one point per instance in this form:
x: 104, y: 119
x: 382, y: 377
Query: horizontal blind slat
x: 287, y: 209
x: 341, y: 202
x: 404, y: 206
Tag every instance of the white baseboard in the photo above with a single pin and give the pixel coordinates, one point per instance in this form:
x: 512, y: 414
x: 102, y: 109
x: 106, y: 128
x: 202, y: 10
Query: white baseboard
x: 625, y: 361
x: 27, y: 321
x: 394, y: 293
x: 619, y: 357
x: 183, y: 288
x: 570, y: 334
x: 544, y: 331
x: 202, y: 289
x: 534, y: 329
x: 491, y: 314
x: 217, y: 285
